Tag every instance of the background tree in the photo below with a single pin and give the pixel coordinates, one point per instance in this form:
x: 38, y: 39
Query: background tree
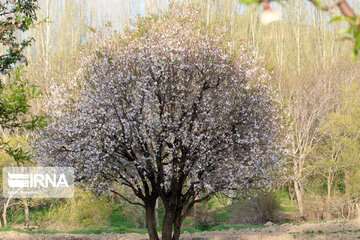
x: 166, y: 111
x: 16, y: 17
x: 336, y: 156
x: 347, y: 14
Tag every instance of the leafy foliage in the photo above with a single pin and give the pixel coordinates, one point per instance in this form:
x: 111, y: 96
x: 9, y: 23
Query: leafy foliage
x: 83, y: 210
x: 351, y: 33
x: 336, y: 162
x: 15, y: 113
x: 15, y: 17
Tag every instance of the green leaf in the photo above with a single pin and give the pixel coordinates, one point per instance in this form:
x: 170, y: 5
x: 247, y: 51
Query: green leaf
x: 317, y: 3
x: 342, y: 18
x: 248, y: 2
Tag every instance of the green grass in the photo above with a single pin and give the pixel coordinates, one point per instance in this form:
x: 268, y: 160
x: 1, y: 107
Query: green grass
x: 285, y: 202
x: 37, y: 215
x: 188, y: 222
x: 236, y: 227
x: 221, y: 228
x: 214, y: 204
x: 118, y: 218
x: 222, y: 215
x: 123, y: 230
x: 290, y: 209
x: 108, y: 230
x: 80, y: 231
x: 6, y: 229
x: 143, y: 231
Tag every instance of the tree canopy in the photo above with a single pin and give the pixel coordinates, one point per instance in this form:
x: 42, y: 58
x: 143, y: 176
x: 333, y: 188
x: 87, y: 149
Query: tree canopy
x: 168, y: 111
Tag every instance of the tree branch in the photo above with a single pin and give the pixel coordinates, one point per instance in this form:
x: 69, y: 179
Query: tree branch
x: 343, y: 5
x: 128, y: 200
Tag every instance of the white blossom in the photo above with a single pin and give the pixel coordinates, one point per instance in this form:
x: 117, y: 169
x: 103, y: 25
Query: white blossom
x: 170, y: 105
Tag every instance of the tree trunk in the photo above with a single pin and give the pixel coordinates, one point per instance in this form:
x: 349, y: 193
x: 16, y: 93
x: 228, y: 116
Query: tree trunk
x: 26, y: 211
x: 6, y: 204
x: 157, y: 213
x: 328, y: 200
x: 358, y: 210
x: 177, y: 224
x: 298, y: 192
x: 4, y: 215
x: 168, y: 223
x: 150, y: 221
x: 329, y: 182
x: 229, y: 199
x: 195, y: 211
x: 292, y: 195
x: 208, y: 13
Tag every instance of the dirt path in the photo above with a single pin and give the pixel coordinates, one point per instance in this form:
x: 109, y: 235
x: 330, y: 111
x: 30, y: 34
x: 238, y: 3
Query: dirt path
x: 324, y: 231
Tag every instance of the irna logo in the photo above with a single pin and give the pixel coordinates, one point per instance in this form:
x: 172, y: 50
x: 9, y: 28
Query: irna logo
x: 38, y: 182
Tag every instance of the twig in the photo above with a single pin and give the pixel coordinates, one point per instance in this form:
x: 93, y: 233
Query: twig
x: 343, y: 5
x: 128, y: 200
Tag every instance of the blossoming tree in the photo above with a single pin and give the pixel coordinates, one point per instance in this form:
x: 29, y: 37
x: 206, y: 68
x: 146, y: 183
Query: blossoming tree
x: 169, y: 112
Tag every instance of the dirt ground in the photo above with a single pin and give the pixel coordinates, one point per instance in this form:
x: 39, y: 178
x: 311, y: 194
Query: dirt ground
x: 327, y: 230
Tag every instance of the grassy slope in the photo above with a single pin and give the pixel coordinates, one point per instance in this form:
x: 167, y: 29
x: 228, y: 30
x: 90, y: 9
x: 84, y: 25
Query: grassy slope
x: 285, y: 209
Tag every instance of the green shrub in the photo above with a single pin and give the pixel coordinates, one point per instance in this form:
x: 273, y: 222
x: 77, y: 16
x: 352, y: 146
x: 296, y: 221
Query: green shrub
x: 83, y: 210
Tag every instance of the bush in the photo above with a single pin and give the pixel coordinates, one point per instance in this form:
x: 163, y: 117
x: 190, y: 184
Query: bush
x: 314, y: 207
x: 259, y: 208
x: 266, y: 204
x: 203, y: 219
x: 128, y: 215
x: 83, y: 210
